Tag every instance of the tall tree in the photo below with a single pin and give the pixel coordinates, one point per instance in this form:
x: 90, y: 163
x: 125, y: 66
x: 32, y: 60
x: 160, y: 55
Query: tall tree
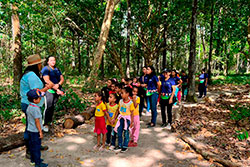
x: 211, y: 42
x: 98, y: 53
x: 128, y: 37
x: 192, y: 56
x: 16, y: 46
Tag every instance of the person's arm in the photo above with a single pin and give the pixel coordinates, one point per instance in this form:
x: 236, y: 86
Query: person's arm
x: 134, y: 101
x: 108, y: 117
x: 132, y: 118
x: 179, y: 82
x: 172, y: 95
x: 61, y: 80
x: 206, y: 81
x: 38, y: 126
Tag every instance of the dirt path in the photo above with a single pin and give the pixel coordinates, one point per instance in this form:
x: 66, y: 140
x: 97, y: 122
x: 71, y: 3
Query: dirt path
x: 157, y: 147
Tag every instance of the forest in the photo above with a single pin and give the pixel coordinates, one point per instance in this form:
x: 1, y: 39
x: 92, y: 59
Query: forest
x: 95, y: 40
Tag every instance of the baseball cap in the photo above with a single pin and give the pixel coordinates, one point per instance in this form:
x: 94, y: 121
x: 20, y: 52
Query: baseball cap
x: 166, y: 70
x: 34, y: 94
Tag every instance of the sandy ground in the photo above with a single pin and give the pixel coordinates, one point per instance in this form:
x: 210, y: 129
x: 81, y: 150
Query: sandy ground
x: 156, y: 147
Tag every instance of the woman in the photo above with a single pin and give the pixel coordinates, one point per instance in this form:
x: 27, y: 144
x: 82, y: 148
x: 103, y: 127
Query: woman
x: 53, y: 76
x: 31, y: 80
x: 203, y: 79
x: 142, y: 91
x: 178, y: 83
x: 167, y: 98
x: 153, y: 88
x: 184, y: 78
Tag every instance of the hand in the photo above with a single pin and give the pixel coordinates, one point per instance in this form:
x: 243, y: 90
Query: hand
x: 59, y: 92
x: 56, y: 86
x: 131, y: 125
x: 41, y: 135
x: 170, y: 100
x: 163, y: 94
x: 134, y: 97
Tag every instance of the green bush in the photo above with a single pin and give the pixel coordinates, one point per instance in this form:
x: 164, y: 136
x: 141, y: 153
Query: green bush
x: 240, y: 112
x: 232, y: 79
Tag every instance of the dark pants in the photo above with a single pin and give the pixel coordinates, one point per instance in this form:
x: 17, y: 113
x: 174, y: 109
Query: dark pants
x: 113, y: 134
x: 153, y: 106
x: 109, y: 129
x: 51, y: 100
x: 141, y: 106
x: 26, y: 135
x: 202, y: 89
x: 123, y: 143
x: 165, y: 103
x: 35, y: 145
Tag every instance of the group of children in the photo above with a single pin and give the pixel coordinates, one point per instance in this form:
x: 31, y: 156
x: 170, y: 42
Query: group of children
x: 120, y: 105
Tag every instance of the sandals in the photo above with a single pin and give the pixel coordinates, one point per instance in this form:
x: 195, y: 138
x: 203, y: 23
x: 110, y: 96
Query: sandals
x: 96, y: 147
x: 101, y: 148
x: 151, y: 125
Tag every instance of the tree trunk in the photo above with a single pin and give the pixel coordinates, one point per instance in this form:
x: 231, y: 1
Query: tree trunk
x: 211, y: 43
x: 102, y: 67
x: 203, y: 45
x: 98, y: 53
x: 16, y: 46
x: 79, y: 55
x: 73, y: 64
x: 164, y: 53
x: 128, y: 38
x: 191, y: 97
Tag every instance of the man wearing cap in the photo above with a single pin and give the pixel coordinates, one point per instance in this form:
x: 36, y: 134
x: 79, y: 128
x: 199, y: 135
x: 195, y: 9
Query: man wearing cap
x: 31, y: 80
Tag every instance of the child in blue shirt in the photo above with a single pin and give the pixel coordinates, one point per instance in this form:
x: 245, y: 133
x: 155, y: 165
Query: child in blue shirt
x: 34, y: 118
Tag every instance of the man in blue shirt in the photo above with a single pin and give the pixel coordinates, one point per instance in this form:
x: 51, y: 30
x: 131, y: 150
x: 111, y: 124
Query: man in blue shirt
x: 203, y: 79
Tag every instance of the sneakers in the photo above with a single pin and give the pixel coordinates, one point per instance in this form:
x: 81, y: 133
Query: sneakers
x: 168, y: 126
x: 112, y: 148
x: 118, y: 149
x: 124, y: 150
x: 96, y: 147
x: 41, y: 165
x: 163, y: 125
x: 27, y: 155
x: 46, y: 128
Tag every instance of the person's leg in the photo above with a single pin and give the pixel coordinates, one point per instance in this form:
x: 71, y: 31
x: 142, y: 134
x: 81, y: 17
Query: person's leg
x: 103, y: 140
x: 126, y: 136
x: 109, y: 128
x: 169, y: 110
x: 50, y: 108
x: 154, y: 98
x: 141, y: 106
x: 113, y: 138
x: 163, y: 113
x: 26, y: 135
x: 35, y: 148
x: 200, y: 90
x: 205, y: 90
x: 136, y: 128
x: 148, y: 103
x: 98, y: 139
x: 179, y: 96
x: 120, y: 132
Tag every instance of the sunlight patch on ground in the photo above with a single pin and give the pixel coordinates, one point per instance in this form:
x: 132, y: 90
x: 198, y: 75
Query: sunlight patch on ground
x: 168, y: 140
x: 146, y: 131
x: 183, y: 155
x: 72, y: 147
x: 169, y: 148
x: 74, y: 139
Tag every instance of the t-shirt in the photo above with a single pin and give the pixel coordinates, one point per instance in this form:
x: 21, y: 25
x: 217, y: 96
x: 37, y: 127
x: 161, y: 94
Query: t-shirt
x: 30, y: 81
x: 111, y: 111
x: 54, y: 74
x: 203, y: 76
x: 125, y: 108
x: 33, y: 112
x: 167, y: 86
x: 100, y: 109
x: 136, y: 111
x: 162, y: 77
x: 184, y: 78
x: 176, y: 80
x: 144, y: 79
x: 152, y: 83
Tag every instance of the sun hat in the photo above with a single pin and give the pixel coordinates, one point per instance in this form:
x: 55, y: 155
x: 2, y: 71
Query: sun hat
x: 166, y: 70
x: 34, y: 93
x: 34, y: 59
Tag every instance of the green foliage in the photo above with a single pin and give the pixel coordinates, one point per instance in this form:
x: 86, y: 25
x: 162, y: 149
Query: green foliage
x: 240, y: 112
x: 9, y: 104
x: 70, y: 101
x: 242, y: 135
x: 232, y: 79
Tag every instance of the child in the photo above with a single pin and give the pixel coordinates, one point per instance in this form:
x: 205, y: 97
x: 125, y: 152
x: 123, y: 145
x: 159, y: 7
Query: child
x: 111, y: 121
x: 34, y: 118
x: 105, y: 90
x: 136, y: 127
x: 118, y: 90
x: 135, y: 82
x: 125, y: 120
x: 112, y: 88
x: 100, y: 125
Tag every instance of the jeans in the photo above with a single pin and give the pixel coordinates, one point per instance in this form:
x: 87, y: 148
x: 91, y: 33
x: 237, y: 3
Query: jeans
x: 35, y: 145
x: 113, y: 138
x: 165, y: 103
x: 26, y: 135
x: 123, y: 143
x: 51, y: 100
x: 148, y: 103
x: 153, y: 106
x: 202, y: 89
x: 184, y: 91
